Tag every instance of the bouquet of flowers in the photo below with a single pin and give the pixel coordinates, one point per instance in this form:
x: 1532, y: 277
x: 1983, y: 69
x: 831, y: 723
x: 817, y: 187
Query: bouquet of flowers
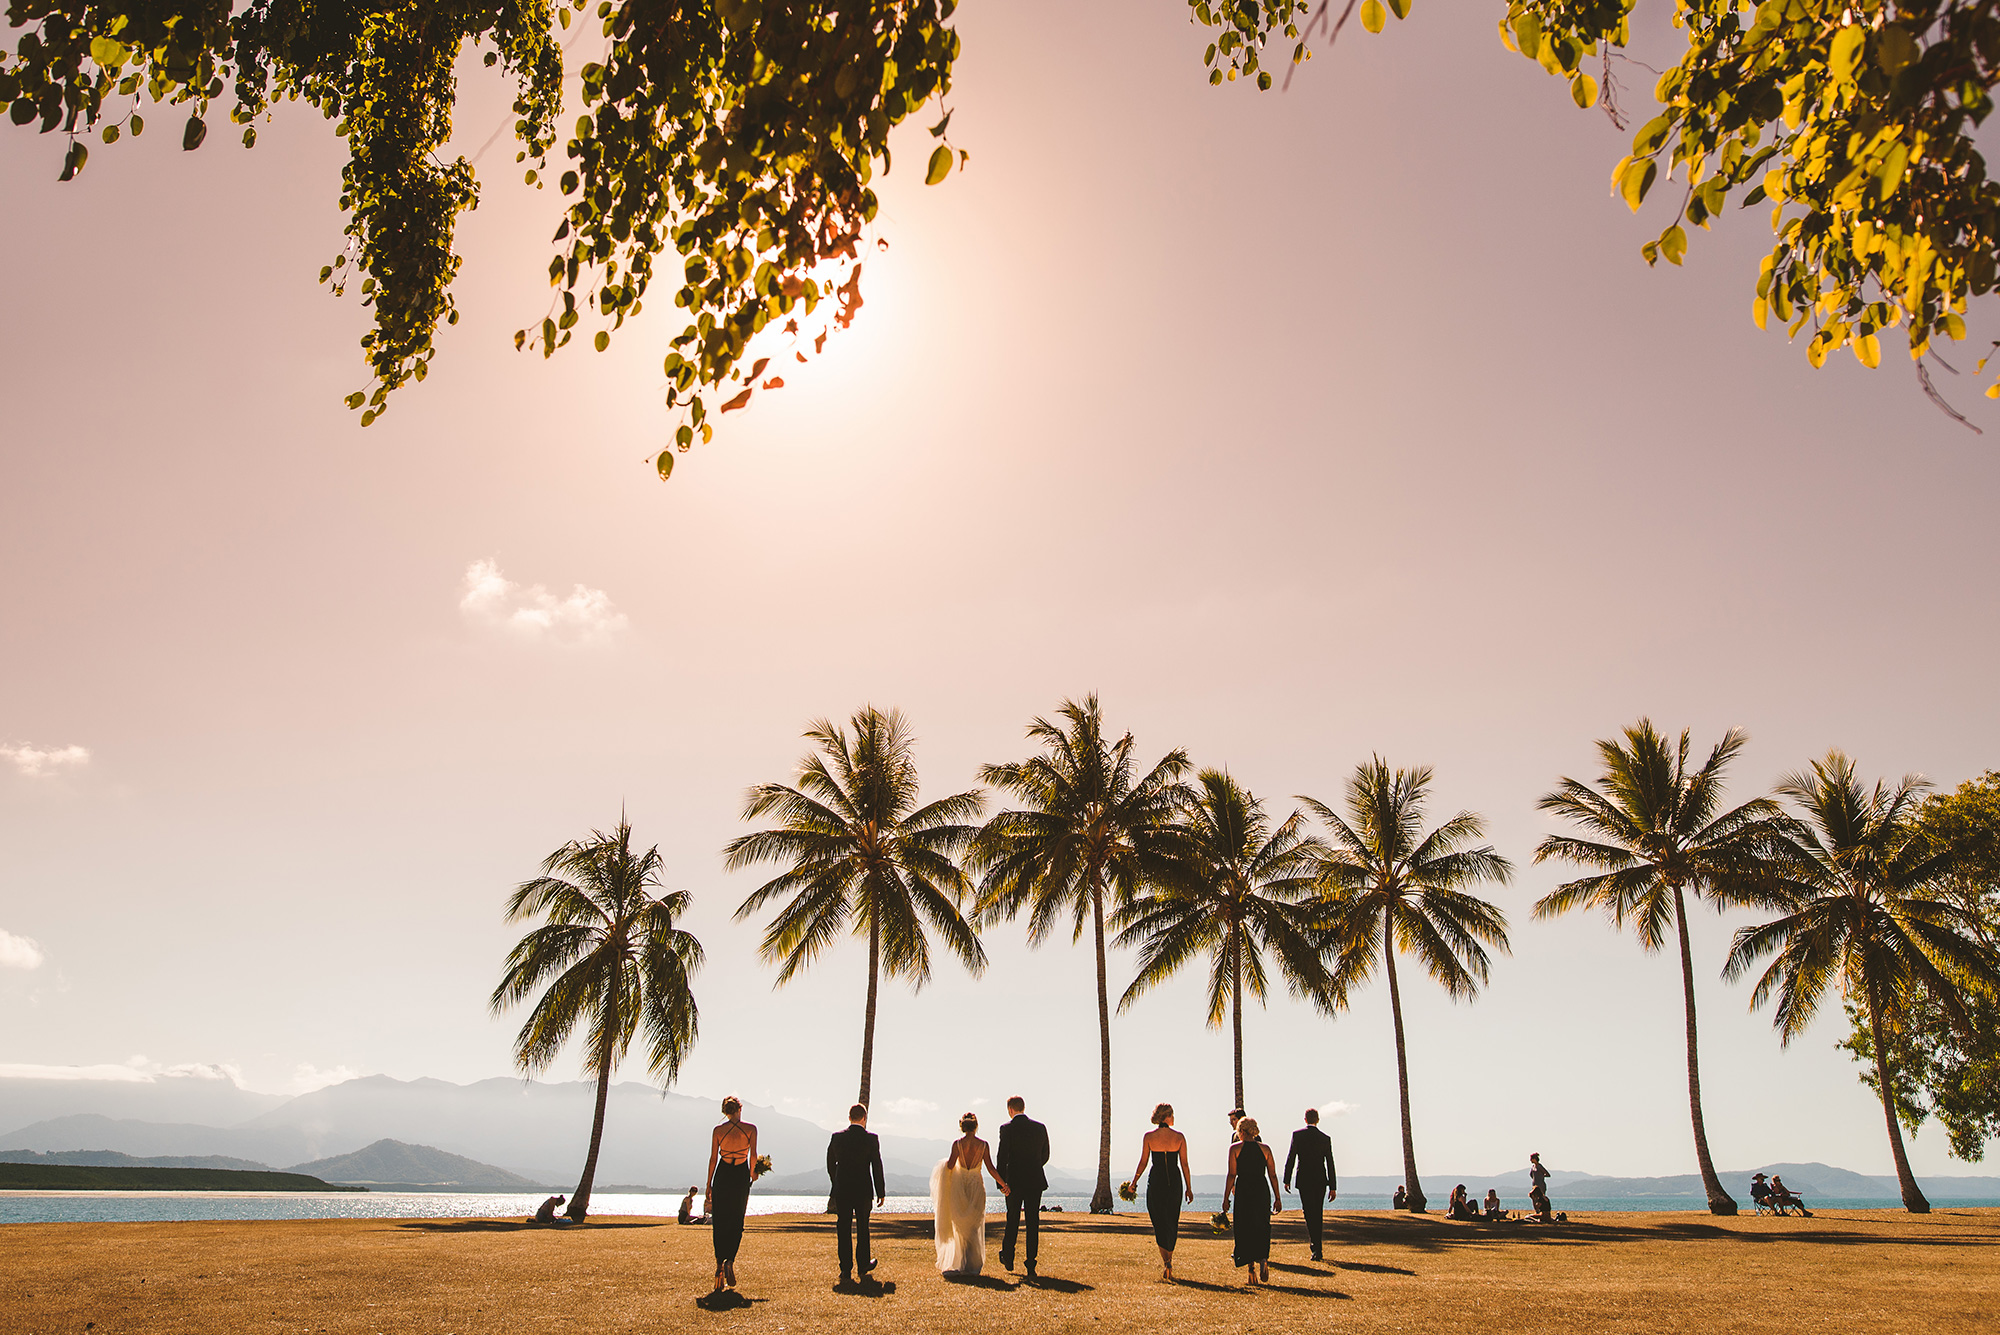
x: 1219, y: 1221
x: 1128, y: 1191
x: 763, y: 1164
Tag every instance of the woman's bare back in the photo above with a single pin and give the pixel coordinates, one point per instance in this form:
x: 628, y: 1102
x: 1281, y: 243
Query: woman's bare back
x: 969, y: 1151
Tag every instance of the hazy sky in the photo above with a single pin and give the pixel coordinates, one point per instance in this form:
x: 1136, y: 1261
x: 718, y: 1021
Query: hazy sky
x: 1299, y: 426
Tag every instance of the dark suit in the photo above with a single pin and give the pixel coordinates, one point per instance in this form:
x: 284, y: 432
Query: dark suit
x: 854, y: 1166
x: 1312, y: 1154
x: 1023, y: 1154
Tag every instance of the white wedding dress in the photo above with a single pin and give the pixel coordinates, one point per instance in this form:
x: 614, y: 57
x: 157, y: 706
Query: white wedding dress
x: 958, y: 1204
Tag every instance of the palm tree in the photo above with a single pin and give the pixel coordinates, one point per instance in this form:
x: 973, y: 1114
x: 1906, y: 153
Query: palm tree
x: 1236, y: 893
x: 1870, y: 907
x: 861, y: 856
x: 1388, y: 885
x: 1654, y: 838
x: 612, y: 960
x: 1086, y: 830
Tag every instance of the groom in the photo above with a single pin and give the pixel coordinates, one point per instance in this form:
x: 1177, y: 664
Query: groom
x: 854, y: 1165
x: 1024, y: 1152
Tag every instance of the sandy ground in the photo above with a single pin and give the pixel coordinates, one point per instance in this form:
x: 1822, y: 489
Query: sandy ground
x: 1851, y: 1271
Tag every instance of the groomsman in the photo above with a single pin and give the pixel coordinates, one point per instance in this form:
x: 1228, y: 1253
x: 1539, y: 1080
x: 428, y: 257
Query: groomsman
x: 1024, y: 1153
x: 1312, y: 1154
x: 852, y: 1156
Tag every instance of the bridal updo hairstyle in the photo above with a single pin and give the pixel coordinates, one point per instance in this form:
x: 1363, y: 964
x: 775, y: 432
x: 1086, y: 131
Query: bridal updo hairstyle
x: 968, y: 1123
x: 732, y: 1106
x: 1162, y: 1112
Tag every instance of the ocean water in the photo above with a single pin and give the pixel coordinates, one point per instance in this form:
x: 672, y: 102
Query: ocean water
x: 23, y: 1207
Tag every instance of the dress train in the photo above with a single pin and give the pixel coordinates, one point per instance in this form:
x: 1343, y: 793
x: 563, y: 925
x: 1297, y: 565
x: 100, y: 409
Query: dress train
x: 958, y: 1203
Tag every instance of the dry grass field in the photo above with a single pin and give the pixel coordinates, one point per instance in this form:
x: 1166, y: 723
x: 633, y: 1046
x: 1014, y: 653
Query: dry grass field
x: 1860, y: 1273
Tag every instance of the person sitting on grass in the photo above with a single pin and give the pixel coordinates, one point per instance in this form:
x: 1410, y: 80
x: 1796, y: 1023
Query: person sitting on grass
x: 1783, y: 1197
x: 1400, y: 1199
x: 1494, y: 1214
x: 1460, y: 1206
x: 687, y: 1215
x: 547, y: 1214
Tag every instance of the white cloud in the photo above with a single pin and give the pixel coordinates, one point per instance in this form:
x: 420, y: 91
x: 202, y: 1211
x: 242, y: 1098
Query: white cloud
x: 137, y: 1071
x: 1338, y: 1108
x: 306, y: 1077
x: 905, y: 1107
x: 18, y: 952
x: 36, y: 762
x: 532, y: 612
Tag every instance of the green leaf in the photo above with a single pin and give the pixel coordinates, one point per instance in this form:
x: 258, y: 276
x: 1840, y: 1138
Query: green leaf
x: 196, y: 131
x: 1895, y: 48
x: 1673, y: 244
x: 1845, y: 54
x: 1400, y: 8
x: 1651, y: 135
x: 1583, y: 90
x: 937, y: 131
x: 940, y: 165
x: 602, y: 341
x: 1635, y: 179
x: 1891, y: 172
x: 665, y: 464
x: 1373, y: 16
x: 1528, y: 35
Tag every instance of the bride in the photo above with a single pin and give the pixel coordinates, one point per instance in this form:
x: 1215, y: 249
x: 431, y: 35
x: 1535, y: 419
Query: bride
x: 958, y: 1198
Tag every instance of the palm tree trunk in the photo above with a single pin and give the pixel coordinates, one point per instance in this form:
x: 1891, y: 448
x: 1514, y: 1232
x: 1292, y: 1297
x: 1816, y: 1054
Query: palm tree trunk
x: 1236, y: 1000
x: 1100, y: 1197
x: 1414, y: 1190
x: 1914, y: 1199
x: 868, y: 1020
x: 579, y: 1201
x: 1719, y: 1201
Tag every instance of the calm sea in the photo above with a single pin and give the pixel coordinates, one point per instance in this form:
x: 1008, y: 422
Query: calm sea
x: 25, y: 1207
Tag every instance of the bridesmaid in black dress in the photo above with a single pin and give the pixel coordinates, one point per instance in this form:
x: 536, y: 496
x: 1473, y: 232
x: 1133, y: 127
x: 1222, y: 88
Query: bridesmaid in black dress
x: 1163, y: 1160
x: 1253, y: 1180
x: 732, y: 1166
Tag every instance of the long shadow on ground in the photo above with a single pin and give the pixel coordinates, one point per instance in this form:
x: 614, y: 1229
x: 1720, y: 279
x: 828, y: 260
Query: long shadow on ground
x: 520, y: 1226
x: 1431, y: 1234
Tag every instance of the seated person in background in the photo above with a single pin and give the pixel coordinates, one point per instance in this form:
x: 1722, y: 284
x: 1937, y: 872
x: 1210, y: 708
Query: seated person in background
x: 1493, y: 1210
x: 1782, y: 1197
x: 1461, y: 1204
x: 1539, y: 1198
x: 688, y: 1216
x: 1400, y: 1200
x: 547, y: 1213
x: 1760, y: 1190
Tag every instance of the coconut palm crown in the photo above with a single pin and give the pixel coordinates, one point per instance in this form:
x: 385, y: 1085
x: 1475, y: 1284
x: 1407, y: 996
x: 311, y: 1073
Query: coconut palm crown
x: 1389, y: 885
x: 1654, y: 832
x: 1089, y: 834
x: 861, y: 857
x: 1239, y: 891
x: 608, y: 957
x: 1871, y: 910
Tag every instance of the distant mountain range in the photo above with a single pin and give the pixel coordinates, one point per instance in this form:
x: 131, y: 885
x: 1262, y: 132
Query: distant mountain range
x: 114, y: 1159
x: 512, y: 1135
x: 390, y: 1165
x: 387, y: 1165
x: 534, y: 1131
